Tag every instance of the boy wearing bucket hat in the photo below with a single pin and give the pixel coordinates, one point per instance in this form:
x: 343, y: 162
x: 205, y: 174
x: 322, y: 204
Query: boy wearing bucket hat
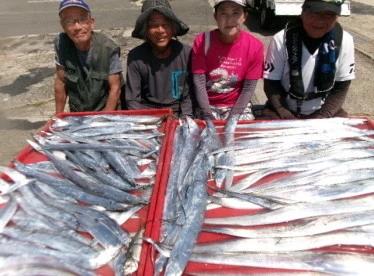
x: 309, y: 65
x: 158, y: 69
x: 88, y: 66
x: 226, y: 64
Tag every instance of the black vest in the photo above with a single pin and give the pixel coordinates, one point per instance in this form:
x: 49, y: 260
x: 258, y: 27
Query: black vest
x: 324, y: 79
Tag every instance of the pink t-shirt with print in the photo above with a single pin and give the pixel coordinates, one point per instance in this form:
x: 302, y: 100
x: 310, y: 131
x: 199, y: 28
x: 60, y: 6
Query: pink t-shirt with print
x: 226, y: 66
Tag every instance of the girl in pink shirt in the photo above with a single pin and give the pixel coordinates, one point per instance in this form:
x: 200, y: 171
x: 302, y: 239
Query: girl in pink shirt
x: 226, y: 64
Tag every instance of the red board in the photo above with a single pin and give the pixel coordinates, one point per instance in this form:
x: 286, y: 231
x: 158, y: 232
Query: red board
x: 145, y: 217
x: 152, y: 215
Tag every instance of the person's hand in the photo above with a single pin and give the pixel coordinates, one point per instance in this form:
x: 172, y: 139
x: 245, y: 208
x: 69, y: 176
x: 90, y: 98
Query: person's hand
x: 285, y: 114
x: 58, y: 112
x: 314, y: 115
x: 208, y: 117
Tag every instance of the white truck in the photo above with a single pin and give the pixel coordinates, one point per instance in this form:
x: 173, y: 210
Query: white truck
x: 270, y: 8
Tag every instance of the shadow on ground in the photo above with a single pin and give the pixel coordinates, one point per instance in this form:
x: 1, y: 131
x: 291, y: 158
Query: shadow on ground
x: 21, y: 84
x: 360, y: 8
x: 19, y: 124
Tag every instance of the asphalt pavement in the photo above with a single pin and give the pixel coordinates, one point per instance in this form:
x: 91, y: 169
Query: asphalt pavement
x: 27, y: 68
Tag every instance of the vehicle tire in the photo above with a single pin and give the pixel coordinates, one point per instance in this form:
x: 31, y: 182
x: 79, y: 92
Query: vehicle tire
x: 266, y: 16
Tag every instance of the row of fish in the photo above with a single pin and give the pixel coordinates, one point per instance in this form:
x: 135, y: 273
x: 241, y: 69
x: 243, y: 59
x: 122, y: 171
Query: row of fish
x: 68, y: 215
x: 289, y: 197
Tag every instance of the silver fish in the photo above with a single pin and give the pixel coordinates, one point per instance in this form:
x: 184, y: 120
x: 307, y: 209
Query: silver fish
x: 306, y: 227
x: 298, y: 211
x: 326, y: 262
x: 7, y: 212
x: 28, y: 264
x: 277, y: 244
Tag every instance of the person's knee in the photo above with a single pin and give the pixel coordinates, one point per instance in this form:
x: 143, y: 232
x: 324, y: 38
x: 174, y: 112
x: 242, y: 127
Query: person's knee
x: 341, y: 113
x: 267, y: 114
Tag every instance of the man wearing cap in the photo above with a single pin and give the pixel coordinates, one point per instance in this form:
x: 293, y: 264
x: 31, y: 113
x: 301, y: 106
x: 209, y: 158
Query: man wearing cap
x: 158, y: 69
x: 88, y: 66
x: 227, y: 62
x: 309, y: 65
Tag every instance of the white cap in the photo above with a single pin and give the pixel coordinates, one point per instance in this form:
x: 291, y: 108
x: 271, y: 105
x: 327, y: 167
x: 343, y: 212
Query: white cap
x: 239, y: 2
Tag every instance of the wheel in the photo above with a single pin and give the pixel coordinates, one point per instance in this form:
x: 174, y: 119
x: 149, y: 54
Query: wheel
x: 266, y: 17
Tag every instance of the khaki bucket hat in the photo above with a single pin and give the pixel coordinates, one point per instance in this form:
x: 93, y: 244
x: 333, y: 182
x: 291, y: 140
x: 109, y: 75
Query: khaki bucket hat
x: 162, y: 6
